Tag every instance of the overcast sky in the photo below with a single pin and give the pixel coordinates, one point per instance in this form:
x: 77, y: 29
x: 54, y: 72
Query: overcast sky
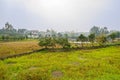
x: 60, y: 15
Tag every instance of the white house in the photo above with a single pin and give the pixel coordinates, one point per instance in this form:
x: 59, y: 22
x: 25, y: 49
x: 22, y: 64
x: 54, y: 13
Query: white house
x: 33, y: 34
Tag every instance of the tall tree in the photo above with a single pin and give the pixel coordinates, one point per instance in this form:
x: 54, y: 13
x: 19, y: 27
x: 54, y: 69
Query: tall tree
x: 82, y: 38
x: 45, y: 42
x: 112, y: 36
x: 104, y: 31
x: 95, y: 30
x: 91, y: 38
x: 63, y: 42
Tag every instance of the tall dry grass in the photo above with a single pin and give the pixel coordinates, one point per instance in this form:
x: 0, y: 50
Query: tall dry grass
x: 11, y: 48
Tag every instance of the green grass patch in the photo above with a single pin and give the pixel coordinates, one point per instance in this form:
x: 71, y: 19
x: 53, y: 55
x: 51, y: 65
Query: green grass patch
x: 96, y: 64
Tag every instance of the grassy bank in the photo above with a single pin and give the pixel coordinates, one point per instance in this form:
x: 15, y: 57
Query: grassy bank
x: 97, y: 64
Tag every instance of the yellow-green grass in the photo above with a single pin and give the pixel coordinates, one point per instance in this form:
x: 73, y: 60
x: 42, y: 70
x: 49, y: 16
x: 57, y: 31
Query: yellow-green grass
x: 97, y: 64
x: 11, y: 48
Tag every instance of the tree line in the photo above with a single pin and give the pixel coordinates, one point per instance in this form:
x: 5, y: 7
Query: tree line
x: 51, y: 38
x: 100, y: 36
x: 97, y: 35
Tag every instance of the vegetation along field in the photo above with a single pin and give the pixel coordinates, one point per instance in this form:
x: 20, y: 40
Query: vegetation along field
x: 95, y: 64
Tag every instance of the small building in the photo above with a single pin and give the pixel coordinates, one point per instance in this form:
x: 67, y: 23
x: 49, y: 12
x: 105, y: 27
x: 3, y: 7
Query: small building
x: 33, y: 34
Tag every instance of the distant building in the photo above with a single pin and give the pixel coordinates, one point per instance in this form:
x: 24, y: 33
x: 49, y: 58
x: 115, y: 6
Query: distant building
x: 33, y: 34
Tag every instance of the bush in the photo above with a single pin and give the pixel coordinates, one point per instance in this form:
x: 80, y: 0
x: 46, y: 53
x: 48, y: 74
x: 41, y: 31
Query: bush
x: 44, y: 42
x: 51, y: 42
x: 101, y: 40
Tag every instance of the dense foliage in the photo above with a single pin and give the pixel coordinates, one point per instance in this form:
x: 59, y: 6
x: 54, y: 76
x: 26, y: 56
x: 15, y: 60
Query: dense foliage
x: 53, y: 41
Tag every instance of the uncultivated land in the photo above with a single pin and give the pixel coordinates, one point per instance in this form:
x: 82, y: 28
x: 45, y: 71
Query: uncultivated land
x: 19, y: 47
x: 96, y: 64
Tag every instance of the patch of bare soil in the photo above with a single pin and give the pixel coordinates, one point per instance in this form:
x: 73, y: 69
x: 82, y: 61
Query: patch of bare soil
x: 57, y: 74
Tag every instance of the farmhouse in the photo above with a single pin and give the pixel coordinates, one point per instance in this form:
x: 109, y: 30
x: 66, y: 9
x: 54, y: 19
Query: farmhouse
x: 33, y: 34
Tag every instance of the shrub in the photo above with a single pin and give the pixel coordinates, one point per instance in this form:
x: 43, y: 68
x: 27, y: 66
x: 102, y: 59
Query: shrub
x: 101, y: 40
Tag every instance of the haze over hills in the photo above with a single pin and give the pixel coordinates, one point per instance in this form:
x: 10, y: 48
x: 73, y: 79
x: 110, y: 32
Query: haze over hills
x: 60, y: 15
x: 9, y: 31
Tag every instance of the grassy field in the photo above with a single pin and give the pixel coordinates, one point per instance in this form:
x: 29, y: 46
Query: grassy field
x: 11, y: 48
x: 97, y: 64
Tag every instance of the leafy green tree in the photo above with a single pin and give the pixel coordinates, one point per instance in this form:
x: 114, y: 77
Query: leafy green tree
x: 82, y: 38
x: 118, y: 34
x: 95, y: 30
x: 104, y: 31
x: 59, y: 35
x: 99, y: 31
x: 52, y: 42
x: 3, y: 37
x: 91, y: 38
x: 63, y: 42
x: 112, y: 36
x: 45, y: 42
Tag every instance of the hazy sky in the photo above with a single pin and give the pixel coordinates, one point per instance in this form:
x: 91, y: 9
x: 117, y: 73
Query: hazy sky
x: 60, y: 15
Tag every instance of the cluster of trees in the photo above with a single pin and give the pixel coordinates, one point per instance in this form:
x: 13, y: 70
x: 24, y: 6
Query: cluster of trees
x: 8, y: 33
x: 114, y: 35
x: 11, y: 35
x: 99, y: 31
x: 96, y: 35
x: 99, y: 35
x: 11, y: 38
x: 54, y: 41
x: 104, y: 31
